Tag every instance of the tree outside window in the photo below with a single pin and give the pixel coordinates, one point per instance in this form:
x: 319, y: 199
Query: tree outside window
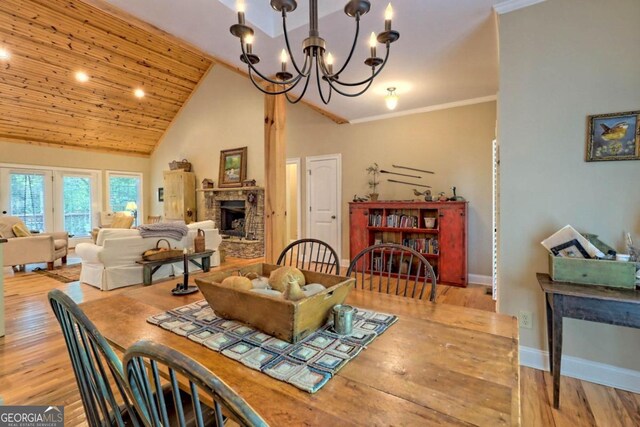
x: 122, y: 190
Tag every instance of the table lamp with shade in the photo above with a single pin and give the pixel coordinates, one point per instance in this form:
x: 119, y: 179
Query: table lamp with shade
x: 133, y: 208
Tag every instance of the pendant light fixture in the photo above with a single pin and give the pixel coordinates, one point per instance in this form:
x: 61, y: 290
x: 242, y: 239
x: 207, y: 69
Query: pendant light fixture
x: 317, y: 59
x: 391, y: 99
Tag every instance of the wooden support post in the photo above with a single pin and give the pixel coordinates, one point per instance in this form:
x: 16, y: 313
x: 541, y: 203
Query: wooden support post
x: 275, y: 175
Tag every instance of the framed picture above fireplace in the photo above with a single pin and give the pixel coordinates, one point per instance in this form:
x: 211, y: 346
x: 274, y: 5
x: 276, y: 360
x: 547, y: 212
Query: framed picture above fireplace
x: 233, y: 167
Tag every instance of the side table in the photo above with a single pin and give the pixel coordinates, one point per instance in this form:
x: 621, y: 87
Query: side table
x: 150, y: 267
x: 613, y: 306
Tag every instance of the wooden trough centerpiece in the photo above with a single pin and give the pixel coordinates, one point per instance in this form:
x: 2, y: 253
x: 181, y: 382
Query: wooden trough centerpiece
x: 287, y: 320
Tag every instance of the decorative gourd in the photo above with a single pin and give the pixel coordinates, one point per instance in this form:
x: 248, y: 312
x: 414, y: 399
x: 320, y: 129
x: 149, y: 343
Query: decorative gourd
x: 293, y: 291
x: 268, y: 292
x: 261, y: 283
x: 278, y: 279
x: 312, y: 289
x: 237, y: 282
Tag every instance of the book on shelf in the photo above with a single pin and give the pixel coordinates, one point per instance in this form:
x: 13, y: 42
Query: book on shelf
x: 375, y: 220
x: 377, y: 263
x: 398, y: 220
x: 425, y: 245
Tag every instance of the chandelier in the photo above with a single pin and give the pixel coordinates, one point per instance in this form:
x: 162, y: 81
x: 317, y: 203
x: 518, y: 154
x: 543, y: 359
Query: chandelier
x: 316, y: 55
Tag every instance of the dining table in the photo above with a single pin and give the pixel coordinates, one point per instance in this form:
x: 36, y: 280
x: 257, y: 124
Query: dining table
x: 439, y: 364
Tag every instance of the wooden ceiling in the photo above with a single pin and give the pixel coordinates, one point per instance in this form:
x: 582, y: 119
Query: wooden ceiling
x: 42, y: 103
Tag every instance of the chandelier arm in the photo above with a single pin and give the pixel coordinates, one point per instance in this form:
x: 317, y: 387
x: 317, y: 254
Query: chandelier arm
x: 324, y: 101
x: 291, y: 81
x: 305, y: 72
x: 353, y: 48
x: 266, y: 92
x: 304, y: 90
x: 368, y: 80
x: 352, y: 95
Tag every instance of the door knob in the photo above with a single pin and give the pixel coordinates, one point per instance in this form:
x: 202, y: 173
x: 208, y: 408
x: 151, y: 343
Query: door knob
x: 333, y: 217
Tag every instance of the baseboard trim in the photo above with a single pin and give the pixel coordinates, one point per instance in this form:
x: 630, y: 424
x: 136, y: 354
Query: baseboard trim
x: 583, y: 369
x: 479, y: 279
x: 476, y: 279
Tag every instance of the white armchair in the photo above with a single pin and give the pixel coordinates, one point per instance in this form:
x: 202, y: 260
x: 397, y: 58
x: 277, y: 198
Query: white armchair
x: 43, y: 247
x: 110, y: 263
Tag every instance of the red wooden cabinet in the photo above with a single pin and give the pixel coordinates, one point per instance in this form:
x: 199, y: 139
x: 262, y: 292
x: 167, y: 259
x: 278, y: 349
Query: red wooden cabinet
x: 438, y: 230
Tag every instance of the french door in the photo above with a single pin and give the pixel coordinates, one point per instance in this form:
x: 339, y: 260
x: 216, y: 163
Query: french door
x: 52, y: 200
x: 27, y: 194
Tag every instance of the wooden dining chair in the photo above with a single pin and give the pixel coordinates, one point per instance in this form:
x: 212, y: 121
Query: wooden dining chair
x: 96, y: 367
x: 393, y: 269
x: 147, y: 362
x: 312, y: 255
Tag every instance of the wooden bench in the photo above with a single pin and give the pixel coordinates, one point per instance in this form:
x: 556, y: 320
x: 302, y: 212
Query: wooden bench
x: 150, y: 267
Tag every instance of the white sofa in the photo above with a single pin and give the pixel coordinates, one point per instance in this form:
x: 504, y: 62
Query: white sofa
x: 110, y: 263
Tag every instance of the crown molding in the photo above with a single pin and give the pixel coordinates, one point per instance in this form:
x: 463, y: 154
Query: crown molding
x: 511, y: 5
x: 428, y: 109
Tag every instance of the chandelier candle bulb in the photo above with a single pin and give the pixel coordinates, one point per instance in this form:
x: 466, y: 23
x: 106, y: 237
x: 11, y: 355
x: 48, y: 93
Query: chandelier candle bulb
x: 248, y: 41
x: 283, y: 60
x: 388, y: 15
x: 240, y: 7
x: 373, y: 41
x: 330, y: 63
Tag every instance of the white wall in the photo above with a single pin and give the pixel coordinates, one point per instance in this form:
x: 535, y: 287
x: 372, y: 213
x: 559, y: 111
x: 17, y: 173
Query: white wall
x: 36, y: 155
x: 455, y: 143
x: 225, y: 112
x: 560, y: 61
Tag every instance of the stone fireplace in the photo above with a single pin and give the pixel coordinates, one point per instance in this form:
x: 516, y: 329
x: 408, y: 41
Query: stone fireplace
x: 232, y: 218
x: 238, y: 214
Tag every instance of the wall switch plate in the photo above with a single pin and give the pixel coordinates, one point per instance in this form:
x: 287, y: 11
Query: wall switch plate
x: 525, y: 319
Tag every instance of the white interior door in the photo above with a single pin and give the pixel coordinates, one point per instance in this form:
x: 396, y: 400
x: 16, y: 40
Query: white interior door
x: 324, y: 184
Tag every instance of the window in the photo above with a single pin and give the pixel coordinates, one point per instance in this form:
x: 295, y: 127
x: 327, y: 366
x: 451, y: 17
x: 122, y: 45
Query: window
x: 77, y: 204
x: 27, y: 199
x: 125, y: 188
x: 52, y: 199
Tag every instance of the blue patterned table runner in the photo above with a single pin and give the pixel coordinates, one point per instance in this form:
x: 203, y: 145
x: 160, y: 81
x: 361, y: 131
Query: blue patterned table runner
x: 308, y: 365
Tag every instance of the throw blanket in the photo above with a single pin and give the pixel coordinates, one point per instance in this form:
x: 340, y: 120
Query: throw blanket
x: 172, y: 230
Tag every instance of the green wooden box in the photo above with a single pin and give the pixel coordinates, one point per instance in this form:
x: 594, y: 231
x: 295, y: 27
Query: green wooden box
x: 593, y: 272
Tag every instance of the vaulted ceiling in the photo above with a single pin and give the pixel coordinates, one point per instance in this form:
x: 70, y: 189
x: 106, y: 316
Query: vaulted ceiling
x: 49, y: 41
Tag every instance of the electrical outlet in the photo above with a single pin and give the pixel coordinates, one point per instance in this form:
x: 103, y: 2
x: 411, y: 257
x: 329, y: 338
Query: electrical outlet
x: 525, y: 319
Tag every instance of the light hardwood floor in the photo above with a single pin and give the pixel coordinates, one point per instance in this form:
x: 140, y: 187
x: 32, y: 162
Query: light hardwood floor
x: 35, y: 369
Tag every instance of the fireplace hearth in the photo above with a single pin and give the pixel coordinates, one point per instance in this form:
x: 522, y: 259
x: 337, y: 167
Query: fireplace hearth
x: 232, y: 218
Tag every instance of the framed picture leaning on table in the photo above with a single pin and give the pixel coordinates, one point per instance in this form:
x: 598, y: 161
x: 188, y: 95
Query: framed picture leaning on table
x: 233, y: 167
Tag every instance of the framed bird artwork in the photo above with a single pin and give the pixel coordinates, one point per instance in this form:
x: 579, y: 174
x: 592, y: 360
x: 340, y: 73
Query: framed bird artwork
x: 613, y: 136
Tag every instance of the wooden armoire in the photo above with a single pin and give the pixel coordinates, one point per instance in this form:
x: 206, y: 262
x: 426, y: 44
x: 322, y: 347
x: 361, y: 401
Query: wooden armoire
x: 180, y: 196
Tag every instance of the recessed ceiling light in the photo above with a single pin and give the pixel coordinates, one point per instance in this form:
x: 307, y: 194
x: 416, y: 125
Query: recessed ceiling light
x: 82, y: 77
x: 139, y: 93
x: 4, y: 54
